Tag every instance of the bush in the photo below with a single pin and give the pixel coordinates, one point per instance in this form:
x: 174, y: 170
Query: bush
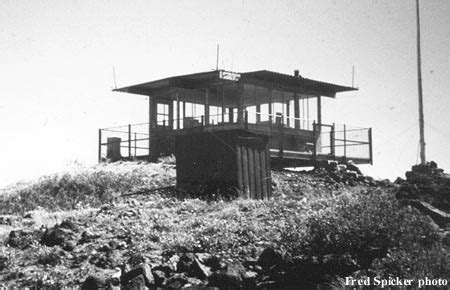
x: 362, y: 228
x: 84, y: 187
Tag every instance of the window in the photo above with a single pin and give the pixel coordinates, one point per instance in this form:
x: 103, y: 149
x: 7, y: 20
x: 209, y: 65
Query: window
x: 162, y: 114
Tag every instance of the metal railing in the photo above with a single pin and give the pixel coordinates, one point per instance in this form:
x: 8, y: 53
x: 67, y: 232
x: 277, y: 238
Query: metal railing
x: 133, y: 141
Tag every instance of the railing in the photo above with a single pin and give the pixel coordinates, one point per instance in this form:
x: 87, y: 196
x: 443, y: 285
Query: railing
x: 345, y: 141
x: 129, y: 142
x: 133, y: 141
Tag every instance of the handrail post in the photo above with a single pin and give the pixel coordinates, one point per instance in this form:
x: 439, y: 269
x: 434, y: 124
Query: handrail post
x: 370, y: 146
x: 246, y: 119
x: 99, y: 145
x: 332, y: 141
x: 345, y: 143
x: 135, y: 143
x: 315, y: 138
x: 129, y: 142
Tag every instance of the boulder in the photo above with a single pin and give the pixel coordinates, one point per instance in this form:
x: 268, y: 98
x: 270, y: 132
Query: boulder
x: 189, y: 264
x: 22, y: 239
x: 270, y: 257
x: 93, y: 282
x: 230, y: 278
x: 143, y: 270
x: 176, y: 281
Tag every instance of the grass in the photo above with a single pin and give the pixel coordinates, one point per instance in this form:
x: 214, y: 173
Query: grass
x: 307, y: 218
x: 85, y: 186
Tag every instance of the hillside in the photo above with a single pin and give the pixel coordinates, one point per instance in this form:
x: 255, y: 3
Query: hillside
x: 124, y: 224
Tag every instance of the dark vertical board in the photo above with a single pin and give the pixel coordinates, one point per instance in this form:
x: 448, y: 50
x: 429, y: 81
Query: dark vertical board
x: 269, y: 176
x: 262, y: 162
x: 257, y: 173
x: 251, y: 172
x: 244, y: 165
x: 239, y: 158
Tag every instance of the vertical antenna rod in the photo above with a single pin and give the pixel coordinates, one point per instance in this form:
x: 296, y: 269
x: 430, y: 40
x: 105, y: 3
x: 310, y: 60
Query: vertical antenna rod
x: 353, y: 76
x: 217, y: 59
x: 419, y: 76
x: 114, y: 77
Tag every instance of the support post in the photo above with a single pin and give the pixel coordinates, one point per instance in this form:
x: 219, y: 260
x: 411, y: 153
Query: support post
x: 296, y: 111
x: 370, y: 146
x: 99, y: 145
x: 129, y: 141
x: 178, y: 110
x: 240, y: 117
x: 332, y: 142
x: 319, y: 110
x: 270, y: 91
x: 316, y: 138
x: 206, y: 107
x: 223, y: 102
x: 345, y: 143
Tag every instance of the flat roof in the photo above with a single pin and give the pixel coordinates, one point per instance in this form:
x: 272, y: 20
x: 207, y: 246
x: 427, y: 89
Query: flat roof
x: 218, y: 77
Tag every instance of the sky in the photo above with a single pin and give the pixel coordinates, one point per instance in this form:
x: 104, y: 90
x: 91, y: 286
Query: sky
x: 57, y: 58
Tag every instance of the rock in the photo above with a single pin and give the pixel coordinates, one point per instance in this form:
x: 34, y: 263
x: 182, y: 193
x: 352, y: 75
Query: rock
x: 69, y: 224
x: 176, y: 281
x: 22, y: 239
x: 270, y: 257
x: 8, y: 219
x: 143, y: 270
x: 231, y: 278
x: 56, y: 236
x: 3, y: 262
x: 440, y: 217
x: 87, y: 237
x: 352, y: 167
x: 159, y: 276
x: 51, y: 259
x: 249, y: 279
x: 93, y: 282
x: 137, y: 282
x: 189, y: 264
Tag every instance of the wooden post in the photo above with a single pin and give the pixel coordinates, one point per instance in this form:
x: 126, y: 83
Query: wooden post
x: 178, y: 110
x: 129, y: 141
x: 345, y: 143
x: 270, y: 91
x: 99, y: 145
x: 206, y: 106
x: 230, y: 115
x: 223, y: 102
x: 149, y: 126
x: 296, y: 111
x: 246, y: 119
x: 370, y: 146
x: 319, y: 110
x: 288, y: 113
x: 240, y: 117
x: 316, y: 138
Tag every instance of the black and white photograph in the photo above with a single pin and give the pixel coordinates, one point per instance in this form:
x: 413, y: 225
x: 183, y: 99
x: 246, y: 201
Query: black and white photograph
x: 242, y: 144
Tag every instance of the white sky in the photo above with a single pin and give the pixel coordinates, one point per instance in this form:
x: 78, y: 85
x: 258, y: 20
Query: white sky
x: 56, y: 68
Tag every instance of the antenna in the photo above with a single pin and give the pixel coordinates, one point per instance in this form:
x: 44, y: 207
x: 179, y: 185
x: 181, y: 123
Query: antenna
x: 217, y: 59
x: 114, y: 77
x: 353, y: 76
x: 419, y: 78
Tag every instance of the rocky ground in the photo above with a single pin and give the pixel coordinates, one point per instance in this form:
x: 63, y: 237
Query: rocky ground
x: 153, y: 237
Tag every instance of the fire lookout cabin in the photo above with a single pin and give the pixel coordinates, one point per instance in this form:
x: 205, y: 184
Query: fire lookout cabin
x: 230, y: 128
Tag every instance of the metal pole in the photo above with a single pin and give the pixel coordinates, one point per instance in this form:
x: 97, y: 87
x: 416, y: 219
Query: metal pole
x: 99, y: 145
x: 419, y: 76
x: 129, y: 141
x: 370, y: 146
x: 345, y: 143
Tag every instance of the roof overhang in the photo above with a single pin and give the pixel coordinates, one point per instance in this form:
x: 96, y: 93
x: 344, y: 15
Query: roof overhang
x: 263, y: 78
